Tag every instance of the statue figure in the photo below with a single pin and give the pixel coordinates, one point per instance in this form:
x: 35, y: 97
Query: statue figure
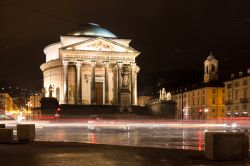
x: 125, y: 77
x: 71, y: 91
x: 43, y: 92
x: 51, y: 89
x: 163, y: 93
x: 168, y: 96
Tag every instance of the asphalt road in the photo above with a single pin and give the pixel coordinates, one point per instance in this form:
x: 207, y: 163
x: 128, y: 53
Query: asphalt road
x: 74, y: 154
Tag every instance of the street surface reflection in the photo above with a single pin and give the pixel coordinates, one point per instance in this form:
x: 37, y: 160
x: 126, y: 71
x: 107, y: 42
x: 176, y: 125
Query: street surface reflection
x: 162, y: 134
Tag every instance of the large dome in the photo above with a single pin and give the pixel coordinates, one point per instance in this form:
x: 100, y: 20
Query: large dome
x: 93, y: 30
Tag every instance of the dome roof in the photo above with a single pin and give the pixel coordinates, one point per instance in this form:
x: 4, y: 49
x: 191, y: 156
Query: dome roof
x: 93, y: 30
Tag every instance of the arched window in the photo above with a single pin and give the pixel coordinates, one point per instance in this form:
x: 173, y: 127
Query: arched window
x: 212, y: 68
x: 58, y: 93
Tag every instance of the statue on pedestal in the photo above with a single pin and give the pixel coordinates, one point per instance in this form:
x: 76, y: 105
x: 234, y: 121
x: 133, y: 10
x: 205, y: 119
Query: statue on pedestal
x: 164, y: 95
x: 125, y: 77
x: 51, y: 89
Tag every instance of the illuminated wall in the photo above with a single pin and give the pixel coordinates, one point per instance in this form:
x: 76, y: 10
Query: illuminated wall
x: 202, y: 103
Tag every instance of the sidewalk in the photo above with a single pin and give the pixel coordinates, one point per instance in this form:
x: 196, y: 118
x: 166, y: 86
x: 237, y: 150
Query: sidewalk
x: 74, y: 154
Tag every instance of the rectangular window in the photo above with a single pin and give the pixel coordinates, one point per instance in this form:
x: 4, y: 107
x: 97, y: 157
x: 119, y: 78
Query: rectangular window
x: 198, y: 101
x: 184, y: 96
x: 229, y: 94
x: 236, y: 84
x: 198, y: 93
x: 213, y: 110
x: 203, y: 91
x: 192, y: 102
x: 229, y: 86
x: 203, y: 100
x: 236, y: 107
x: 236, y: 95
x: 193, y: 93
x: 245, y: 82
x: 245, y: 93
x: 213, y: 100
x: 213, y: 91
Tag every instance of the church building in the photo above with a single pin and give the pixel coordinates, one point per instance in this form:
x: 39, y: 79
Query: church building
x: 91, y: 66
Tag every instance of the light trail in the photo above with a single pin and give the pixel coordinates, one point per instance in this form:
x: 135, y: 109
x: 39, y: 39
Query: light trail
x: 115, y: 124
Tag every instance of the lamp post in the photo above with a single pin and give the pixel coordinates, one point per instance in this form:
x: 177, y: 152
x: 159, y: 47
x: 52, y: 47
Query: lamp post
x: 228, y: 103
x: 206, y: 112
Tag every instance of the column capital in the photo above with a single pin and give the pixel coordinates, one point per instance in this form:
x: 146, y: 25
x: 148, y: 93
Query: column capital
x: 119, y: 64
x: 93, y: 63
x: 65, y: 62
x: 133, y: 64
x: 106, y: 63
x: 79, y: 63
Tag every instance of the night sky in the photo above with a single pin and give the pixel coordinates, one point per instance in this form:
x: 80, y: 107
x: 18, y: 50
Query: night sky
x: 172, y: 35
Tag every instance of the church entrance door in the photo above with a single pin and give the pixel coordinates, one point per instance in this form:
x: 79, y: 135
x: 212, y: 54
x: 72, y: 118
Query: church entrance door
x: 99, y: 93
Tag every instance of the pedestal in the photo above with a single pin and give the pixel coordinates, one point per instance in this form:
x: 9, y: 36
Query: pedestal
x: 226, y: 146
x: 125, y: 100
x: 26, y: 132
x: 6, y: 135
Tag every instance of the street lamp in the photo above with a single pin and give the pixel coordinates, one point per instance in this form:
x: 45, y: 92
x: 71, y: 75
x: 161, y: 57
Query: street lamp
x: 206, y: 112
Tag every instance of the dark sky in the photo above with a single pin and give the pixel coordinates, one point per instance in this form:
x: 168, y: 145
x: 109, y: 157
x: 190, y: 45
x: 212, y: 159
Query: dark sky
x: 172, y: 35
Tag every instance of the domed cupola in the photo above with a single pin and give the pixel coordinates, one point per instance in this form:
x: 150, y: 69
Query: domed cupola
x: 93, y: 30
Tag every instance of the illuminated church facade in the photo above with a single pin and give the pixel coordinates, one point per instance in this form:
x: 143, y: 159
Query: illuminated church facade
x: 90, y: 67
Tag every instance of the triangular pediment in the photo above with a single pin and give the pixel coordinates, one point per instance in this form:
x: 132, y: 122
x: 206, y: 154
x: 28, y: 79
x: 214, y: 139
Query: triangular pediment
x: 100, y: 44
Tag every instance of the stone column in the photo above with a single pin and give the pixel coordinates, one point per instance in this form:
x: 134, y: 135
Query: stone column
x: 133, y: 83
x: 92, y: 86
x: 119, y: 64
x: 106, y: 65
x: 115, y: 84
x: 135, y: 89
x: 65, y: 81
x: 79, y: 82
